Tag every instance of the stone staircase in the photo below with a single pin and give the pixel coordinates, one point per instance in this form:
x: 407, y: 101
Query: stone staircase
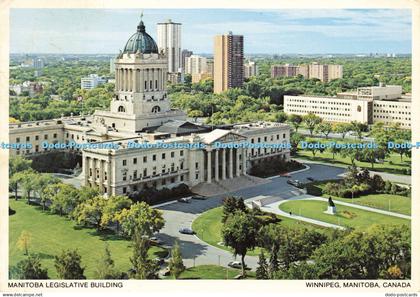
x: 228, y: 185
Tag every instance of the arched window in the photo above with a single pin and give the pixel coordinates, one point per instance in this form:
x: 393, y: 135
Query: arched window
x: 121, y: 109
x: 156, y: 109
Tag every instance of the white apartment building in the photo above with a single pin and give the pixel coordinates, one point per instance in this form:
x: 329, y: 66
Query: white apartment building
x: 91, y: 81
x: 250, y: 69
x: 195, y: 64
x: 169, y: 41
x: 367, y: 105
x: 142, y: 142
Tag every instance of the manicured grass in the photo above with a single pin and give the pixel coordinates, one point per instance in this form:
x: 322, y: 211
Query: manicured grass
x: 208, y: 228
x: 398, y: 203
x: 346, y: 216
x: 52, y: 233
x: 213, y: 272
x: 392, y: 164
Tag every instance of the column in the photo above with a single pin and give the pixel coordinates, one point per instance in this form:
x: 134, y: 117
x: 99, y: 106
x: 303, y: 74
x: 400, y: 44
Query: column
x: 101, y: 175
x: 125, y: 79
x: 209, y: 167
x: 86, y: 169
x: 155, y: 78
x: 223, y: 163
x: 141, y: 80
x: 238, y: 172
x: 108, y: 178
x: 231, y: 163
x: 244, y: 156
x: 216, y: 165
x: 146, y: 79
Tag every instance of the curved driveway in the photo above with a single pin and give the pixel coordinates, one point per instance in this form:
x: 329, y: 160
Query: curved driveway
x: 198, y: 252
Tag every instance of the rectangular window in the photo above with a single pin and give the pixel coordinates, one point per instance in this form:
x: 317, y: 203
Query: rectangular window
x: 124, y: 162
x: 28, y: 138
x: 17, y: 140
x: 181, y: 153
x: 196, y: 165
x: 145, y: 159
x: 154, y: 157
x: 135, y: 161
x: 55, y: 135
x: 46, y: 136
x: 172, y: 154
x: 36, y: 137
x: 163, y: 156
x: 124, y: 190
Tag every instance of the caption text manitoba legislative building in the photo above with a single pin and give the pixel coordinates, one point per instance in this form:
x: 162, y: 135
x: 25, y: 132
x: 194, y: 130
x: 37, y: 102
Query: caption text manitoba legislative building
x: 141, y: 141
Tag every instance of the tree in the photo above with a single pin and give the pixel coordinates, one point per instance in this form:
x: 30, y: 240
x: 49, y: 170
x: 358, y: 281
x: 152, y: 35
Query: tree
x: 295, y: 139
x: 31, y: 268
x: 26, y: 179
x: 262, y: 269
x: 295, y: 120
x: 18, y: 164
x: 334, y: 150
x: 230, y: 205
x: 359, y: 128
x: 40, y: 184
x: 140, y: 218
x: 240, y: 233
x: 24, y: 241
x: 176, y: 266
x: 312, y: 147
x: 63, y: 197
x: 324, y: 128
x: 143, y: 267
x: 195, y: 114
x: 106, y: 266
x: 68, y: 265
x: 86, y: 193
x: 111, y: 209
x: 90, y: 211
x: 400, y: 147
x: 311, y: 121
x: 342, y: 128
x: 351, y: 153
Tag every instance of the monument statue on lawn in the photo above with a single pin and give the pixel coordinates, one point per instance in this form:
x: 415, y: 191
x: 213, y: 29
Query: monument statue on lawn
x: 331, y: 207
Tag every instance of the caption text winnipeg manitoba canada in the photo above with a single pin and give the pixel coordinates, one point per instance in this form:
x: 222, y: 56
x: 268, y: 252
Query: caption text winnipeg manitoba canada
x: 220, y: 144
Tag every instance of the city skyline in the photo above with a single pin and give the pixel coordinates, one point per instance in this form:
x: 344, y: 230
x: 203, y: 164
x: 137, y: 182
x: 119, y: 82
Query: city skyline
x: 265, y: 31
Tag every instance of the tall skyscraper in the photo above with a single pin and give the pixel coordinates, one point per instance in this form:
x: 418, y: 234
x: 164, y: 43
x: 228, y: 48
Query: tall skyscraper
x: 169, y: 41
x: 228, y: 62
x: 184, y: 55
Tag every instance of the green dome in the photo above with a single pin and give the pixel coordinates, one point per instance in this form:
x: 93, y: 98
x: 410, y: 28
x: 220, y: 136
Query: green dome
x: 141, y: 42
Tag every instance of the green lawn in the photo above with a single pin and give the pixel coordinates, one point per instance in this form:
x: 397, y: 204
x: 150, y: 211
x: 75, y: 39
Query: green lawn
x: 398, y: 203
x: 392, y: 163
x: 208, y: 228
x: 52, y: 233
x: 346, y: 216
x: 213, y: 272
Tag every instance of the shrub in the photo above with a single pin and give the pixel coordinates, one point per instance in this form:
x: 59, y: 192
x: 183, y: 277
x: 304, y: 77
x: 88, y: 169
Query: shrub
x: 314, y: 190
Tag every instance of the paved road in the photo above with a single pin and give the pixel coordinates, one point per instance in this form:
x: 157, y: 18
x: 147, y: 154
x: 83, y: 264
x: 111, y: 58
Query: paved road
x: 193, y: 249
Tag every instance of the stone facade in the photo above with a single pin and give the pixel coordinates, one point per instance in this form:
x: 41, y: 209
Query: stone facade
x: 172, y: 151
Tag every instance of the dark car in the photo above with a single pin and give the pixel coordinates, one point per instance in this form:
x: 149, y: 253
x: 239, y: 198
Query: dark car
x: 295, y: 183
x: 199, y: 197
x: 186, y: 231
x: 310, y: 178
x: 155, y: 241
x: 184, y: 200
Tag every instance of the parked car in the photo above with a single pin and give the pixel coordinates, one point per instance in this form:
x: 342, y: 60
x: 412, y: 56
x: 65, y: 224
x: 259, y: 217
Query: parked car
x: 155, y: 241
x: 165, y: 272
x: 159, y: 261
x: 295, y: 183
x: 186, y: 231
x: 236, y: 264
x: 184, y: 200
x: 310, y: 178
x: 199, y: 197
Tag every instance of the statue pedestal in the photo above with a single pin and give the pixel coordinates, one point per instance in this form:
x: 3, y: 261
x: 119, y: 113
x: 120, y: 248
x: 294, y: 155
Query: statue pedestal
x: 331, y: 210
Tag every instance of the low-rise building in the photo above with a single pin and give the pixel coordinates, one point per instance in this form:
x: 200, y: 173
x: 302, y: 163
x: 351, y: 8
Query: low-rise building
x: 367, y: 105
x: 91, y: 81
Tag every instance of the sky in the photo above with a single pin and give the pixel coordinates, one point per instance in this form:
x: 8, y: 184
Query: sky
x: 287, y: 31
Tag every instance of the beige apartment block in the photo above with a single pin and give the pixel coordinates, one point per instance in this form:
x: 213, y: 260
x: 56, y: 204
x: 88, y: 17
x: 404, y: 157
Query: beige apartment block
x: 228, y: 62
x: 141, y: 141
